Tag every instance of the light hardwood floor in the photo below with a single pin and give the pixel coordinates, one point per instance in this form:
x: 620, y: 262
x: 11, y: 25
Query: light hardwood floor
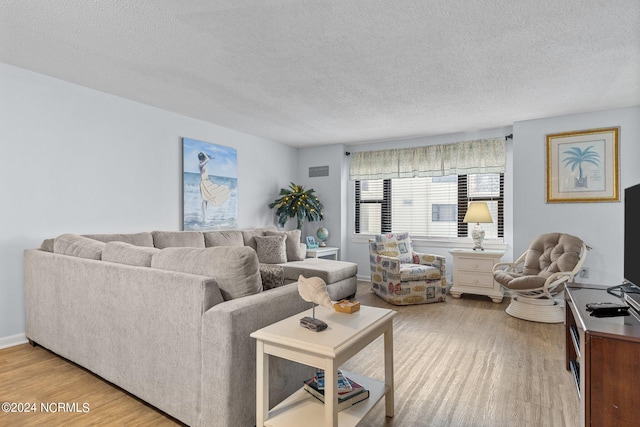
x: 460, y: 363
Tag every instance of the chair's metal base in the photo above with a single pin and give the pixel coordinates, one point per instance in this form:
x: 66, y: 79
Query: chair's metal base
x: 536, y: 310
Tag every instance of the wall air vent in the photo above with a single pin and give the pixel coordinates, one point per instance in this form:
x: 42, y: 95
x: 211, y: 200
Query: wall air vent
x: 316, y: 171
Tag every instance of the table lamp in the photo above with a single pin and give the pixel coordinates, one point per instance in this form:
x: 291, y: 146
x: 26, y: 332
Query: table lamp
x: 477, y: 212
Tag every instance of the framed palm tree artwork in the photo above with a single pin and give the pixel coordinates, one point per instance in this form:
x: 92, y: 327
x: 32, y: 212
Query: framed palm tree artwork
x: 582, y: 166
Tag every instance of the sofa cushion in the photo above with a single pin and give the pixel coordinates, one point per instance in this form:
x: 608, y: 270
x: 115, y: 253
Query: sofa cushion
x: 78, y: 246
x: 172, y: 239
x: 47, y: 245
x: 138, y: 239
x: 125, y: 253
x: 223, y: 238
x: 271, y: 249
x: 415, y: 272
x: 248, y: 236
x: 328, y: 270
x: 295, y: 251
x: 236, y: 270
x: 518, y: 281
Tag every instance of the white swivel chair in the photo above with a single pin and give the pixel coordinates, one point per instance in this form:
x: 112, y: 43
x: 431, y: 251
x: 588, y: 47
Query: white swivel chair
x: 536, y: 277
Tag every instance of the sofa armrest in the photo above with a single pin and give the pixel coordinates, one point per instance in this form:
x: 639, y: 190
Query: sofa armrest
x: 437, y: 261
x: 387, y: 263
x: 229, y: 355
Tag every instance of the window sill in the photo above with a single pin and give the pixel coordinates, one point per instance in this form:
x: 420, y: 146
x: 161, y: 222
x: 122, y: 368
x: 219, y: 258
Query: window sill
x: 419, y: 242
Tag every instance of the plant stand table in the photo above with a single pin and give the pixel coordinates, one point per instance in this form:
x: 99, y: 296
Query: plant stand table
x: 323, y: 252
x: 345, y: 336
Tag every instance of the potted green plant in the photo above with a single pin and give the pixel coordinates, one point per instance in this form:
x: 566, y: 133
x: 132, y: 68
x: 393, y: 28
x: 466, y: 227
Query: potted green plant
x: 296, y: 202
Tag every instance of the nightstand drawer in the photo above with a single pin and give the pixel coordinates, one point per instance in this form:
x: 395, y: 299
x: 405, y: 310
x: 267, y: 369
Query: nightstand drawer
x: 483, y: 265
x: 482, y: 280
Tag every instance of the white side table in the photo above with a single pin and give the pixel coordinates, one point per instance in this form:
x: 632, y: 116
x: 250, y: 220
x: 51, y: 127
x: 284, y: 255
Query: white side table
x: 323, y: 252
x: 473, y: 273
x: 345, y: 336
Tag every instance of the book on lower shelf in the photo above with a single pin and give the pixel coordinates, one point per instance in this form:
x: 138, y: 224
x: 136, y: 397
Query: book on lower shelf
x: 343, y: 383
x: 347, y: 395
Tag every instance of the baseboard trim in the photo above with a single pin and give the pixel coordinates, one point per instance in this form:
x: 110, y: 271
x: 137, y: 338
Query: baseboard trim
x: 363, y: 278
x: 12, y: 340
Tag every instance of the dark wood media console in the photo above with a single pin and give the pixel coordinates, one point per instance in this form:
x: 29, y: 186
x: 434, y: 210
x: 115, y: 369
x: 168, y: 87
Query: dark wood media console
x: 603, y: 355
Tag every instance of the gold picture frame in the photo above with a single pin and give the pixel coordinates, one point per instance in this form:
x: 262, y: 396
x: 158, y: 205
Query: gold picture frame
x: 582, y: 166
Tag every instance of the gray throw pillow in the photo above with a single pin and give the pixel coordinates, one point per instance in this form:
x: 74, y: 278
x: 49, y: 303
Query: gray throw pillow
x: 271, y: 249
x: 125, y: 253
x: 295, y: 251
x: 78, y: 246
x: 235, y: 269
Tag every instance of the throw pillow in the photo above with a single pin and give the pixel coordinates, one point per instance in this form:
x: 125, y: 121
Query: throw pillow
x: 125, y: 253
x: 271, y: 249
x: 272, y: 276
x: 235, y: 269
x: 295, y: 251
x: 78, y: 246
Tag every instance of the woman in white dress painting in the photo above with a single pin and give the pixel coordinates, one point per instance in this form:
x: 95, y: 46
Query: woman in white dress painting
x: 211, y: 193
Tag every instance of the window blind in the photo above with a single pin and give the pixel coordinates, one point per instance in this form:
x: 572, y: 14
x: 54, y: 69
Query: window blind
x: 431, y: 207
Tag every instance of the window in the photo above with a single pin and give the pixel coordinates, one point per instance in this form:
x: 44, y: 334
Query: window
x: 442, y: 212
x: 428, y: 206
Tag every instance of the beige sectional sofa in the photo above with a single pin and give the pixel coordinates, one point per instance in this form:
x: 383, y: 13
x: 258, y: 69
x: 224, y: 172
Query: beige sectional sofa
x: 167, y: 315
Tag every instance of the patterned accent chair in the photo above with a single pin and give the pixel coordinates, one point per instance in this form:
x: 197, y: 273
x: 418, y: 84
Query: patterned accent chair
x: 401, y: 276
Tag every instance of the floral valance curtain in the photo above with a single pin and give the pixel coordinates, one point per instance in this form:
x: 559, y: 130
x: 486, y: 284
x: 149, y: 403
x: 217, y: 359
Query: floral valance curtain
x: 478, y: 156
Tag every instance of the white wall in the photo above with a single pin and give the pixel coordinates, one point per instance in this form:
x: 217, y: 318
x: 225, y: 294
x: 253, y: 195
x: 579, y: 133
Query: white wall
x: 330, y: 190
x: 75, y: 160
x: 600, y: 225
x: 78, y: 160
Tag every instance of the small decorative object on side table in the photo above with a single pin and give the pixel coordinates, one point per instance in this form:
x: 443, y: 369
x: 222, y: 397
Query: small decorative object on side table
x: 345, y: 306
x: 311, y: 243
x: 323, y: 235
x: 473, y: 273
x: 314, y: 290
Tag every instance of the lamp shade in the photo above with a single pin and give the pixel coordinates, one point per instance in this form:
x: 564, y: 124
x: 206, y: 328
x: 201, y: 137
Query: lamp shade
x: 478, y: 212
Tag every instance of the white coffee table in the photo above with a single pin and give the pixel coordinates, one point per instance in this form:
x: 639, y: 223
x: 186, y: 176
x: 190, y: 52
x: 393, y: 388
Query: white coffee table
x: 346, y: 335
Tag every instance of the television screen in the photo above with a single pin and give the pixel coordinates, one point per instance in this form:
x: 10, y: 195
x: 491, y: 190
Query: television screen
x: 632, y: 234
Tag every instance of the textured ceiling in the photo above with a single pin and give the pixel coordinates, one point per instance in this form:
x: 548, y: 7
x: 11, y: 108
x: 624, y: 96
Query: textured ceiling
x: 308, y: 72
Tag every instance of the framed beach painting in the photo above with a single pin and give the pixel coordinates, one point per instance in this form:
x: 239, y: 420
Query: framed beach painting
x: 209, y: 186
x: 582, y: 166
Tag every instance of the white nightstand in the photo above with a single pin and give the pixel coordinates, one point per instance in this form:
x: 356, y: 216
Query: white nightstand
x: 473, y: 273
x: 323, y: 252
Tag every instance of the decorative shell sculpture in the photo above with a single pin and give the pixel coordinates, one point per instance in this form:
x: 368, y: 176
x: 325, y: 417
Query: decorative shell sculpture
x: 314, y: 289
